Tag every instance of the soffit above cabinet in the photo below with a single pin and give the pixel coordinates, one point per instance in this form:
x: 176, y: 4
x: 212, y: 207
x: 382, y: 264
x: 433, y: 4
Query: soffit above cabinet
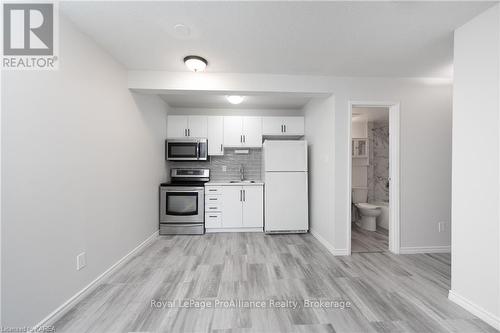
x: 211, y: 101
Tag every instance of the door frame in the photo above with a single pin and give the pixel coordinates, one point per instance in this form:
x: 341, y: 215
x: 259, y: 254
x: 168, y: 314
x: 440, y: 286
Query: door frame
x: 394, y: 171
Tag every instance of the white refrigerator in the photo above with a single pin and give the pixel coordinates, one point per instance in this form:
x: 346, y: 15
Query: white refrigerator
x: 286, y: 192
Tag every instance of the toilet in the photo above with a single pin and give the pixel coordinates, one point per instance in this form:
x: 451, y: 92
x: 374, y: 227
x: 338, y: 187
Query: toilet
x: 368, y: 212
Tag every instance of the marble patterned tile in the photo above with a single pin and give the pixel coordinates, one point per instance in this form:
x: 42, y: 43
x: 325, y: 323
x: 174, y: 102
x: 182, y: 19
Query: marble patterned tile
x: 378, y: 169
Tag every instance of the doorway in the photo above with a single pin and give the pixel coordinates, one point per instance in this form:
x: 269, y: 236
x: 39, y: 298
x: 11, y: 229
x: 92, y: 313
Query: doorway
x: 373, y: 164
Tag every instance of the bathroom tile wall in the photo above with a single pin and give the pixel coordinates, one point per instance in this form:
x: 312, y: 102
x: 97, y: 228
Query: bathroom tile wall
x: 251, y: 162
x: 378, y: 170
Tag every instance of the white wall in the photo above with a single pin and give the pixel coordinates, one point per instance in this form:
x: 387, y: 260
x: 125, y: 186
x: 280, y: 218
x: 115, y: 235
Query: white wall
x: 425, y: 152
x: 425, y: 138
x: 425, y: 157
x: 319, y: 121
x: 475, y: 210
x: 82, y: 159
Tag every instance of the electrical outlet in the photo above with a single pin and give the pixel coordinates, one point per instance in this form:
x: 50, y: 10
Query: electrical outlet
x: 224, y: 168
x: 81, y: 261
x: 441, y: 226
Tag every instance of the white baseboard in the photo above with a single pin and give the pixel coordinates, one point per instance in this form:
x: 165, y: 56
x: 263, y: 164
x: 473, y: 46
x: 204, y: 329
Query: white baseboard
x: 214, y: 230
x: 329, y: 247
x: 425, y: 249
x: 66, y: 306
x: 475, y: 309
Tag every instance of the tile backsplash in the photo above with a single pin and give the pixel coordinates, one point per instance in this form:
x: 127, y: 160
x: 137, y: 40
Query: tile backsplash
x: 378, y: 171
x: 252, y: 163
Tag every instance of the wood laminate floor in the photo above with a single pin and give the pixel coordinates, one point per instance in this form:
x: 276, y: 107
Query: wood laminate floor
x: 369, y: 241
x: 389, y: 293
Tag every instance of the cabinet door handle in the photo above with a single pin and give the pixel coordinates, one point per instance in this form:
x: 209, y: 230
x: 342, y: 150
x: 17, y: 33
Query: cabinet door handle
x: 244, y: 138
x: 189, y: 132
x: 212, y: 199
x: 185, y: 132
x: 213, y: 216
x: 284, y: 127
x: 244, y: 195
x: 221, y: 149
x: 241, y: 195
x: 281, y: 128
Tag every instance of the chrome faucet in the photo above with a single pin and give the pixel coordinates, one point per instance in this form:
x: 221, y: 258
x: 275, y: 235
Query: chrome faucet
x: 242, y: 173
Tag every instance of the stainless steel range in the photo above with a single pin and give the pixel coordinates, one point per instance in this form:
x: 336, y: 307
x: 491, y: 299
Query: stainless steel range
x: 182, y: 202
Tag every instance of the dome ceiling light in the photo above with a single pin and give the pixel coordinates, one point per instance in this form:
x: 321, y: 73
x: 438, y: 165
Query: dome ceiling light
x: 195, y: 63
x: 235, y: 99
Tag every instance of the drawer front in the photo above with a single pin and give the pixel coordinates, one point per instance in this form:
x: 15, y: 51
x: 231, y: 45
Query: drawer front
x: 213, y: 220
x: 212, y: 199
x: 213, y: 208
x: 213, y: 190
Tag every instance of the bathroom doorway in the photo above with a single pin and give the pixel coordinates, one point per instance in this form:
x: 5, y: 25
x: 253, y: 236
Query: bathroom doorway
x: 374, y: 166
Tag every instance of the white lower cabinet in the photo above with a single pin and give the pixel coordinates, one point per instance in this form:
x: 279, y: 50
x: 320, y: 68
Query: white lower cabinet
x: 232, y: 213
x: 253, y: 207
x: 213, y: 220
x: 234, y: 208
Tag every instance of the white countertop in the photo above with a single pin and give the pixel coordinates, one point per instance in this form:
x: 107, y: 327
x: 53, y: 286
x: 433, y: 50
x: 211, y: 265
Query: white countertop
x: 227, y: 183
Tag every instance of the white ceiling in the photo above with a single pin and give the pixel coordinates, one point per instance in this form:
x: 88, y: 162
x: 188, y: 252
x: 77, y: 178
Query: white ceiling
x: 370, y: 114
x: 269, y: 101
x: 392, y: 39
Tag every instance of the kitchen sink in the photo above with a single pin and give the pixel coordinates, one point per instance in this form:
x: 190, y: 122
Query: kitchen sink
x: 242, y: 181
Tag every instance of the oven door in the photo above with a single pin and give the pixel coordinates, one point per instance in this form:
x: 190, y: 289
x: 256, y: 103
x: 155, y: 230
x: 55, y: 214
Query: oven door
x: 181, y: 204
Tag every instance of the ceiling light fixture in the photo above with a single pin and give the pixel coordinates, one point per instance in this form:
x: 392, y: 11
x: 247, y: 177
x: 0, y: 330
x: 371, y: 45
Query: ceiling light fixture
x: 195, y: 63
x: 235, y: 99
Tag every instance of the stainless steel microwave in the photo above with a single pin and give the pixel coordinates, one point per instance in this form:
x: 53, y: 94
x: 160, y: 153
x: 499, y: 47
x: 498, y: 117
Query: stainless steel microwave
x: 186, y: 149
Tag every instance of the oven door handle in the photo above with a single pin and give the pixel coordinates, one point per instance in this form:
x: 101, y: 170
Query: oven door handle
x: 180, y: 191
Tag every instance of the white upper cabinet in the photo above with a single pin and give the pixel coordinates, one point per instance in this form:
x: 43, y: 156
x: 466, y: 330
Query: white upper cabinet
x: 197, y: 126
x: 252, y: 131
x: 177, y: 126
x: 233, y: 131
x: 215, y: 135
x: 282, y: 126
x: 272, y: 125
x: 187, y: 126
x: 293, y: 125
x: 243, y: 132
x: 233, y: 136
